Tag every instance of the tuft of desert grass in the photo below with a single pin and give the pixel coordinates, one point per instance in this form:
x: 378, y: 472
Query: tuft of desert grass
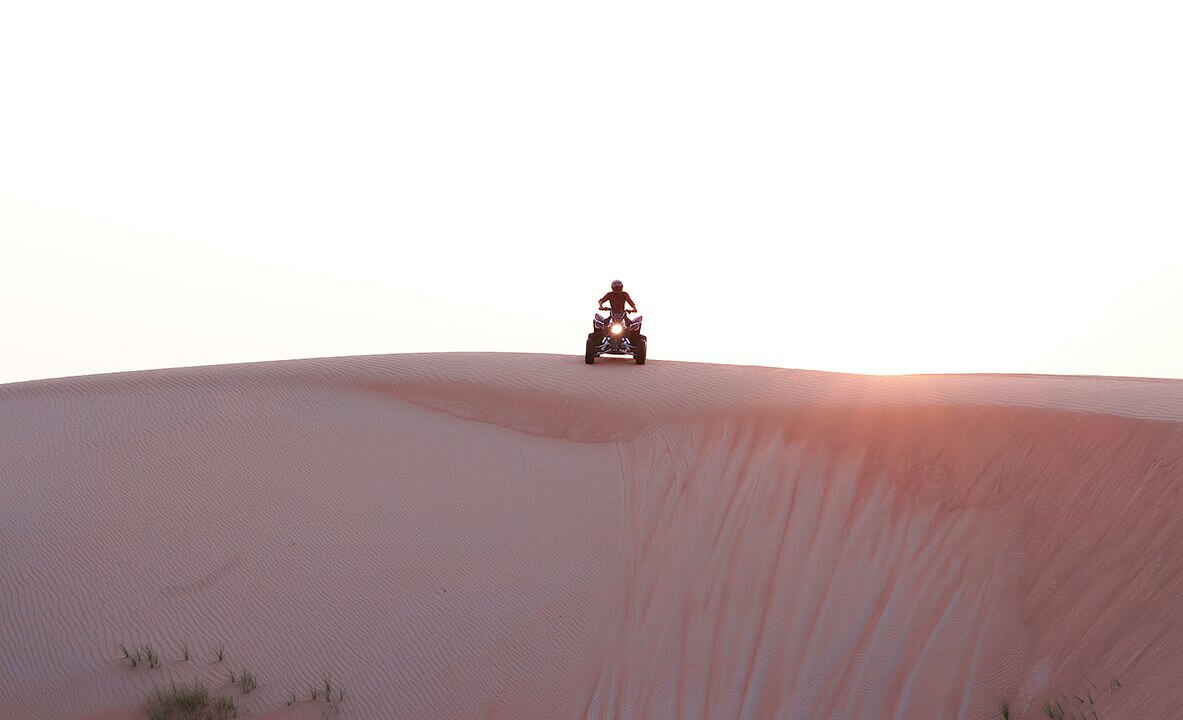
x: 189, y: 702
x: 247, y: 681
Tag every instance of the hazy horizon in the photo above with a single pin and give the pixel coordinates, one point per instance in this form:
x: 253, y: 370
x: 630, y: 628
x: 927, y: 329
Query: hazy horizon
x: 914, y: 188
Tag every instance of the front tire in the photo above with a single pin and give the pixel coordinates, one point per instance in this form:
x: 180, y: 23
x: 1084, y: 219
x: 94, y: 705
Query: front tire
x: 589, y: 353
x: 639, y: 353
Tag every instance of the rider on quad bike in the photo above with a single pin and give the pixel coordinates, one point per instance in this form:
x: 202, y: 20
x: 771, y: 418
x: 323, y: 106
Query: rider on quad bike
x: 617, y: 298
x: 616, y: 334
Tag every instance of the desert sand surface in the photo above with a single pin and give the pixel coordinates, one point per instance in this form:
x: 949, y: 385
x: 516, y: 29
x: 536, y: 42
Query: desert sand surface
x: 505, y: 536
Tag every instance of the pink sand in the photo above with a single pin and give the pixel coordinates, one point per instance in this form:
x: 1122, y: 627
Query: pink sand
x: 499, y: 536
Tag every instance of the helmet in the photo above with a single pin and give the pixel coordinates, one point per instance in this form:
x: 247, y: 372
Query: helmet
x: 617, y: 285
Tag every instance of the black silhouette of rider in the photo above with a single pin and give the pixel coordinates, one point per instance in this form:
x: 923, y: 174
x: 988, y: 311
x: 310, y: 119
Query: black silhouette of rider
x: 617, y: 299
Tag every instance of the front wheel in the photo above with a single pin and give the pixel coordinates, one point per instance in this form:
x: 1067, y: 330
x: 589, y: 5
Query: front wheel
x: 639, y: 353
x: 589, y: 353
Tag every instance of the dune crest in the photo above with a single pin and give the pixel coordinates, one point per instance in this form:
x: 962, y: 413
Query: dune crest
x: 486, y: 535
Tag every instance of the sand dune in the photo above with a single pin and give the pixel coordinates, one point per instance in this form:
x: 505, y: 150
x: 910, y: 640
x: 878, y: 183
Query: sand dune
x: 497, y: 536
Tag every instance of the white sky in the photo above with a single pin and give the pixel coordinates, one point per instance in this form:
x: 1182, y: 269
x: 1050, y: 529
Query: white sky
x: 864, y: 186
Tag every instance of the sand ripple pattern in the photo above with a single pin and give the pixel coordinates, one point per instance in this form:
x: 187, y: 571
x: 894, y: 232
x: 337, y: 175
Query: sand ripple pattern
x: 485, y: 535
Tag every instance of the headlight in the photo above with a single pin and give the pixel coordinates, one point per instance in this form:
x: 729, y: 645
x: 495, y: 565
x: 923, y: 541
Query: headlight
x: 616, y: 329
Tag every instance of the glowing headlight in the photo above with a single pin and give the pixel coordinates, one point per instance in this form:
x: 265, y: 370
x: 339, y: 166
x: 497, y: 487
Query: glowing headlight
x: 616, y: 329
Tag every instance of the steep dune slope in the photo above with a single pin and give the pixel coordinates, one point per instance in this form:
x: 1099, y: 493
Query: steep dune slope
x: 483, y: 535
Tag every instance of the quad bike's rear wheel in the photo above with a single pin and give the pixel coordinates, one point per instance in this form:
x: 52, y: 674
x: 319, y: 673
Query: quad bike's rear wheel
x: 639, y: 353
x: 589, y: 353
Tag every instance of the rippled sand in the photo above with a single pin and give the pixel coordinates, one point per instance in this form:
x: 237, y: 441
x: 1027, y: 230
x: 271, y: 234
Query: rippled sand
x: 487, y: 535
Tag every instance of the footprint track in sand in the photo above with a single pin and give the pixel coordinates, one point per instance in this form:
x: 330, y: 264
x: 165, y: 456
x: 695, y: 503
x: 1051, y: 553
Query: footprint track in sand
x: 205, y: 581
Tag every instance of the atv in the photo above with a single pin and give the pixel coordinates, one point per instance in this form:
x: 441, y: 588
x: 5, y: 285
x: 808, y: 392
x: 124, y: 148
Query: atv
x: 616, y: 334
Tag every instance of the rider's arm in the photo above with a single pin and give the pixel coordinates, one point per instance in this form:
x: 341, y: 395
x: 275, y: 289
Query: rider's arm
x: 603, y: 299
x: 629, y: 300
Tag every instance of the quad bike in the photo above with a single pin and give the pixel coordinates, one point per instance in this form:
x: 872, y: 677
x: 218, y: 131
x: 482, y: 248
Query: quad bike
x: 616, y: 334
